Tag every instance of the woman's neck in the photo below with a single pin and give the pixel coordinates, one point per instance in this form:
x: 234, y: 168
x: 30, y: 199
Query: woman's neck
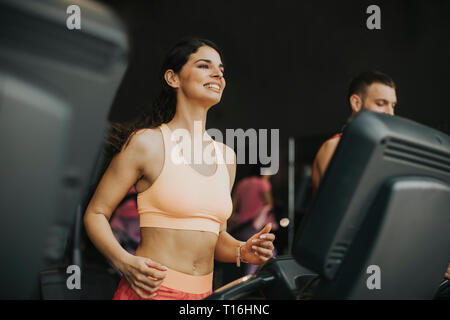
x: 189, y: 116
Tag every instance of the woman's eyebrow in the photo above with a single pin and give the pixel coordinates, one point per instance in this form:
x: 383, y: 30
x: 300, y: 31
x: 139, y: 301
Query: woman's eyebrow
x: 208, y: 61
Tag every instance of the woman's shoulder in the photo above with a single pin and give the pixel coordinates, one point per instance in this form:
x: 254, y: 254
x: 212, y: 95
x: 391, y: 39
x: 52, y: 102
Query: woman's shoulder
x: 148, y: 142
x: 146, y: 136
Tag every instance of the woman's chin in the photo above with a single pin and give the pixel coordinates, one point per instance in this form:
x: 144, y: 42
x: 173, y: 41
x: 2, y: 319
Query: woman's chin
x: 211, y: 101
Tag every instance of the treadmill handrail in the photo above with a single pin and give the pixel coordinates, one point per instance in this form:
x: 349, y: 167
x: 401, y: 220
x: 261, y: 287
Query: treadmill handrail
x: 248, y: 285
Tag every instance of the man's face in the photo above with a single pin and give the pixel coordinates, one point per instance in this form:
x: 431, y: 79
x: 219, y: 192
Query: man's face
x: 379, y: 98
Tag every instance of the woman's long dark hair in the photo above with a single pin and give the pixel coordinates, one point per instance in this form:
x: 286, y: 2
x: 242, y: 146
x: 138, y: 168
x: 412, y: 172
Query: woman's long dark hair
x: 164, y: 106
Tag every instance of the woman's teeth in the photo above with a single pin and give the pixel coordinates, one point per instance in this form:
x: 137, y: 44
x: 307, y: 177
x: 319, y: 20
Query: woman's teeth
x: 215, y: 86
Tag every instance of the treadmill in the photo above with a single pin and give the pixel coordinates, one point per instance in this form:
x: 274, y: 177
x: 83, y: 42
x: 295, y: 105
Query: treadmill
x: 379, y: 219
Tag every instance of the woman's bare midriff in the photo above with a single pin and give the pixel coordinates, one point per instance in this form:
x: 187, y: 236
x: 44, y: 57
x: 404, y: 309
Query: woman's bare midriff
x: 186, y: 251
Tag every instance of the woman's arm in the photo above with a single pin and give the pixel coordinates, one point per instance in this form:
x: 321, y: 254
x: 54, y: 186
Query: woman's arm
x: 258, y: 249
x: 121, y: 174
x: 227, y: 245
x: 118, y: 178
x: 123, y: 171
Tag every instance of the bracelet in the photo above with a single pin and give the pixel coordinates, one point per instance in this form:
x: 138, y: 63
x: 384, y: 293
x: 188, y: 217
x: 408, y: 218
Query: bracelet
x: 238, y: 255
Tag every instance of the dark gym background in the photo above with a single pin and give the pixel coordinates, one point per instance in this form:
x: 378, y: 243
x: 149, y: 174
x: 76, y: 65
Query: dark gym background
x: 288, y: 64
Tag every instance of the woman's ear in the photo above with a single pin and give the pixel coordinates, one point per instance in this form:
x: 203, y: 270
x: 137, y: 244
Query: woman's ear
x: 171, y: 78
x: 355, y: 103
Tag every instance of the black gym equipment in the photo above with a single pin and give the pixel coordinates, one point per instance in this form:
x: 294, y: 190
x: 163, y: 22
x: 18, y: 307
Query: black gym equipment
x: 379, y: 226
x: 381, y: 212
x: 56, y: 89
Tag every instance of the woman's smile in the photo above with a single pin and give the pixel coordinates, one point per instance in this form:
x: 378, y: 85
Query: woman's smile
x: 213, y: 86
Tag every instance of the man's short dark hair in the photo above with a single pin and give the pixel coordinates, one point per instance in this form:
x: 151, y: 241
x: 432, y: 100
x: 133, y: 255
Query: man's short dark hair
x: 360, y: 83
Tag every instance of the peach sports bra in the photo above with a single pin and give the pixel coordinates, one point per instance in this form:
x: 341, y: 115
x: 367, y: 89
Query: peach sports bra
x: 182, y: 198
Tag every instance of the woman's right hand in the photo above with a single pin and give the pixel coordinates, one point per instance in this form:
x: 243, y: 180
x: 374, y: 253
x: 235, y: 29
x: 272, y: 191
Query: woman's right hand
x: 143, y: 274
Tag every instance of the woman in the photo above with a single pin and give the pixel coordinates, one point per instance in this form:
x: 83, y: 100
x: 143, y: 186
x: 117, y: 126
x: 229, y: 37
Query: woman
x: 183, y: 208
x: 252, y: 205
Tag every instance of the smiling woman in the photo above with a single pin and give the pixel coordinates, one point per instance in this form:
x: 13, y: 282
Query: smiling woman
x: 183, y: 208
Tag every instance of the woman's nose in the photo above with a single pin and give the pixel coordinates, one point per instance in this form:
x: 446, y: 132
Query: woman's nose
x: 217, y: 73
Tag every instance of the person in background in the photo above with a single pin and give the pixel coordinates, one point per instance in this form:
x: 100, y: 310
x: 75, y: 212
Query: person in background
x: 372, y: 90
x: 252, y: 208
x: 125, y: 223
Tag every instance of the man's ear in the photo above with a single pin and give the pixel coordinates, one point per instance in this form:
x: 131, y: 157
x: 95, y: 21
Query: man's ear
x: 172, y: 78
x: 355, y: 103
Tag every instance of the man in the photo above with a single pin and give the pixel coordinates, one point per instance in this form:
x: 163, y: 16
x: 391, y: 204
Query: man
x: 373, y: 91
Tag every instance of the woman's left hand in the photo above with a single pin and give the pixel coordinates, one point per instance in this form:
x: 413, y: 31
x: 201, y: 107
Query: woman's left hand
x: 259, y: 248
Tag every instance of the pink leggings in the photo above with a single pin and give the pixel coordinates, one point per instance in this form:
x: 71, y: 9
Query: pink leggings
x: 175, y: 286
